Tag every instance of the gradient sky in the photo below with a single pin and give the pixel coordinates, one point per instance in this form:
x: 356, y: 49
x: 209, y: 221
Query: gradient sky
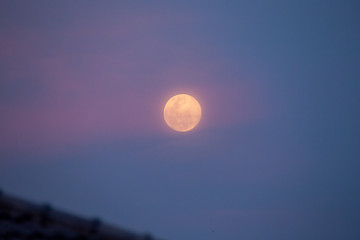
x: 275, y: 156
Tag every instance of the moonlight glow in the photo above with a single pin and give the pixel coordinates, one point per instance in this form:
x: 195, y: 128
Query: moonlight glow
x: 182, y: 112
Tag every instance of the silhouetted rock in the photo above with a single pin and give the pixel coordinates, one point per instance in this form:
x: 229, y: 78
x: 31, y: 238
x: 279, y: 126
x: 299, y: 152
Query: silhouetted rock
x: 22, y: 220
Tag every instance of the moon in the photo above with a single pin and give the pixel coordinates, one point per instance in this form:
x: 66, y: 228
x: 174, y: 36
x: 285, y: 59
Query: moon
x: 182, y: 112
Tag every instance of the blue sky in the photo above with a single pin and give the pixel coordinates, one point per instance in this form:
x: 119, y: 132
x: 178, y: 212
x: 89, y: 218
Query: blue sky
x: 275, y: 156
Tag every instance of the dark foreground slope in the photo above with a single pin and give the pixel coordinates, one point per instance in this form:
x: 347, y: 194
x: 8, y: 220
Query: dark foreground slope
x: 22, y: 220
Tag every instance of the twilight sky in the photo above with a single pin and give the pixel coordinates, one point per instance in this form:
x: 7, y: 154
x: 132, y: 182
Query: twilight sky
x: 275, y: 156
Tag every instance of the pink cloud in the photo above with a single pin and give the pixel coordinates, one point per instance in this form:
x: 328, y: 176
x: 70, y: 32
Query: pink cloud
x: 93, y: 91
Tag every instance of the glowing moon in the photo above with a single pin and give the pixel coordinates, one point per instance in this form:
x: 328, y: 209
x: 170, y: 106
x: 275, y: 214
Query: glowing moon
x: 182, y: 112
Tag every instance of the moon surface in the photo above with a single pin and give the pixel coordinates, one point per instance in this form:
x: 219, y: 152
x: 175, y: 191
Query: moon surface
x: 182, y: 112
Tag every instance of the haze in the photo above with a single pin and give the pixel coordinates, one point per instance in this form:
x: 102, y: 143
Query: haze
x: 276, y: 156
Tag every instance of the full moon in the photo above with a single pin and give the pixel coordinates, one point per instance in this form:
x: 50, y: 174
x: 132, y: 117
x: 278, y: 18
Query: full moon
x: 182, y: 112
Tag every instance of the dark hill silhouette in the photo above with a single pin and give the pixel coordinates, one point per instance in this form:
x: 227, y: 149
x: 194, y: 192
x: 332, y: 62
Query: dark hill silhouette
x: 20, y: 219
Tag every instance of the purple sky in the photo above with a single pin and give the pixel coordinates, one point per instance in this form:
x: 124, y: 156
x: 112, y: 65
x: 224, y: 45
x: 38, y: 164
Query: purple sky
x: 275, y: 156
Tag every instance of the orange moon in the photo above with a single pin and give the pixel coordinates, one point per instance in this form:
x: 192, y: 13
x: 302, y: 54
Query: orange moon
x: 182, y: 112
